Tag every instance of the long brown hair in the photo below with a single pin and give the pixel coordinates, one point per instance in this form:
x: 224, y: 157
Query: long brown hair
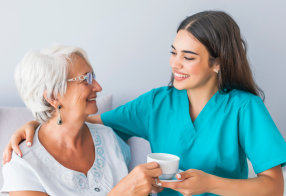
x: 220, y: 34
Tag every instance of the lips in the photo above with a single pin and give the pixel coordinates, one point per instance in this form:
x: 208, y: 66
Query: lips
x: 180, y: 76
x: 91, y: 99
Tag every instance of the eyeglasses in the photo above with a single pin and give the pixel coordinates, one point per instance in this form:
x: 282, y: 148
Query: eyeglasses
x: 89, y: 77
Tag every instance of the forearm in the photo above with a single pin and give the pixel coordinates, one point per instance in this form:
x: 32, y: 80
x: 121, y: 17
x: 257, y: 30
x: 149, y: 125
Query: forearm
x: 262, y: 185
x: 34, y: 124
x: 96, y: 119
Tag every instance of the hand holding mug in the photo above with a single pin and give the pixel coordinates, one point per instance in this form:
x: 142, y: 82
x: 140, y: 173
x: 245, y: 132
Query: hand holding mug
x: 168, y: 163
x: 139, y: 182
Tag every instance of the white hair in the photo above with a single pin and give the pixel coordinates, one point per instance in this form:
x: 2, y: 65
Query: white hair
x: 44, y: 71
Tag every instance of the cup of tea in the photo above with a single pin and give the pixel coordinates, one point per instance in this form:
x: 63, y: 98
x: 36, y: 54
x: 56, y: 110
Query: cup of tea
x: 169, y: 164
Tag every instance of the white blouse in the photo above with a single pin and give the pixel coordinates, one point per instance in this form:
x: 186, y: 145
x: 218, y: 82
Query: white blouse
x: 37, y: 170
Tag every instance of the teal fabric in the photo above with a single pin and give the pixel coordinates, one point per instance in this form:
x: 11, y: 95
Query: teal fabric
x: 232, y: 127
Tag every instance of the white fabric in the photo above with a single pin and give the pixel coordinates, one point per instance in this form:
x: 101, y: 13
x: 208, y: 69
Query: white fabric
x: 39, y: 171
x: 12, y: 118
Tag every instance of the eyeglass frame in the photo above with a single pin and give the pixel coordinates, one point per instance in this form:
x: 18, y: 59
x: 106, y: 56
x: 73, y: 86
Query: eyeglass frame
x: 84, y: 77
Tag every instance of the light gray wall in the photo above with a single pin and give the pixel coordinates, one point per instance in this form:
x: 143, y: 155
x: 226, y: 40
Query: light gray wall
x: 128, y: 41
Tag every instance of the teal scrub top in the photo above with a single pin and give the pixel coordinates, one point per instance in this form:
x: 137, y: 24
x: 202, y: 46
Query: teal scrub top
x: 232, y: 127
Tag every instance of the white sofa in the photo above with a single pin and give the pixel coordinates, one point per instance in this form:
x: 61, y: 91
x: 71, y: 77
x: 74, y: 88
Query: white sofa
x: 12, y: 118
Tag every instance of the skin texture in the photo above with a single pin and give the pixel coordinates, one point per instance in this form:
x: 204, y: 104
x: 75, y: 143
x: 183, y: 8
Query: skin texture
x: 201, y: 85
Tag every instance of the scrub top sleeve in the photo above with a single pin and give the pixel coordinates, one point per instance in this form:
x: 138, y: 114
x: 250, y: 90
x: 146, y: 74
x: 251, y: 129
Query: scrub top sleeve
x: 259, y: 137
x: 131, y: 119
x: 19, y: 176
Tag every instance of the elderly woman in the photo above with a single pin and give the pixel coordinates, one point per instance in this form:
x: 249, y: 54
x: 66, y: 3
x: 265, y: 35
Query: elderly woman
x: 69, y: 157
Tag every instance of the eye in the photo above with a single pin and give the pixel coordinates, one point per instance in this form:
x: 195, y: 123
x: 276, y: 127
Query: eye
x: 173, y: 53
x: 189, y: 59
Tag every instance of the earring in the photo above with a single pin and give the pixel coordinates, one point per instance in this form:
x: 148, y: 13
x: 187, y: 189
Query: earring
x: 59, y: 122
x: 216, y: 70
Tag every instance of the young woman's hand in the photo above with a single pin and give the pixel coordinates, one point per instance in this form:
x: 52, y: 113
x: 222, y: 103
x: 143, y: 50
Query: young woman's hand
x: 27, y: 132
x: 269, y: 182
x: 141, y: 181
x: 95, y: 119
x: 193, y: 182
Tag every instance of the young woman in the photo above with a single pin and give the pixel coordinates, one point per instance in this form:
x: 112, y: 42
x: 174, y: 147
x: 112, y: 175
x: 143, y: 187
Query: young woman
x: 210, y: 115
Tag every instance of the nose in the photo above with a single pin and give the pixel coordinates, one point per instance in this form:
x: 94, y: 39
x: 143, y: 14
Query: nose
x: 96, y: 86
x: 175, y: 62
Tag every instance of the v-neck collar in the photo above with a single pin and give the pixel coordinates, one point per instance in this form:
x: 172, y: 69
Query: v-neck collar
x: 198, y: 121
x: 95, y: 166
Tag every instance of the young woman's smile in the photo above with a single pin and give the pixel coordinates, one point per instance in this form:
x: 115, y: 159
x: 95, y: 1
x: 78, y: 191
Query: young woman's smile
x: 190, y: 62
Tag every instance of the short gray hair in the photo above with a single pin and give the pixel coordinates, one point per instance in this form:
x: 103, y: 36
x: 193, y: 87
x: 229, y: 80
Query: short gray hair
x: 44, y: 70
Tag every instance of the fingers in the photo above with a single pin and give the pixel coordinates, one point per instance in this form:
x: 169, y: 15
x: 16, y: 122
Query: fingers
x: 181, y: 176
x: 152, y: 165
x: 29, y: 137
x: 29, y: 129
x: 15, y: 141
x: 7, y: 153
x: 15, y: 146
x: 157, y: 189
x: 155, y: 173
x: 172, y: 185
x: 156, y: 182
x: 186, y: 174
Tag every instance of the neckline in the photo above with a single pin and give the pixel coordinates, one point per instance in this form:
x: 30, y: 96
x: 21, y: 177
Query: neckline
x: 44, y: 150
x: 195, y: 124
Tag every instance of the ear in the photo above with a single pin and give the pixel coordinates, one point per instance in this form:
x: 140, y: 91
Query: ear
x: 51, y: 100
x: 216, y: 65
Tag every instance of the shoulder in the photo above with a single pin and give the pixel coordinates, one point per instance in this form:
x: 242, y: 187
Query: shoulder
x: 27, y: 150
x: 164, y: 93
x: 159, y: 92
x: 101, y: 132
x: 29, y: 155
x: 102, y: 129
x: 19, y: 175
x: 241, y: 98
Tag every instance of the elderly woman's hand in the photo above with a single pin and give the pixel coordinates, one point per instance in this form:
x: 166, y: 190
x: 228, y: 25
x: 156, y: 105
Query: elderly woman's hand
x: 141, y: 181
x: 27, y: 132
x: 193, y: 182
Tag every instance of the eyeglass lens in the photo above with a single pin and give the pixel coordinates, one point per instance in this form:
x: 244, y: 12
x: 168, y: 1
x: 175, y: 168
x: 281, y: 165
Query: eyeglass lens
x: 90, y: 77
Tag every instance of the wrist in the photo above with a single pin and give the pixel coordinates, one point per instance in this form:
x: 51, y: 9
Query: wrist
x: 33, y: 124
x: 213, y: 183
x: 120, y: 189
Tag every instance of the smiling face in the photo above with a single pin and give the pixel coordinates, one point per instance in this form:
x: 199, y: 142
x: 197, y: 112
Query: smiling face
x: 190, y: 63
x: 79, y: 99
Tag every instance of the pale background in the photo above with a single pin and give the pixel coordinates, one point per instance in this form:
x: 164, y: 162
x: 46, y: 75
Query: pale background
x: 128, y: 41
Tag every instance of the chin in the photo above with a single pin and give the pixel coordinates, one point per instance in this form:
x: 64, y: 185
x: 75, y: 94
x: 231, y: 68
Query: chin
x: 92, y: 110
x: 179, y: 87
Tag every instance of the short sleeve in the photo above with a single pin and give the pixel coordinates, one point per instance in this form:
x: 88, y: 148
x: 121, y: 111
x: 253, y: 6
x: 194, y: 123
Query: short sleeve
x: 262, y: 142
x: 19, y: 176
x: 131, y: 119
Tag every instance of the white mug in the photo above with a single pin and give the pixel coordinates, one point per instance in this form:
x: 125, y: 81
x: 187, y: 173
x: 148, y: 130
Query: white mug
x: 169, y: 164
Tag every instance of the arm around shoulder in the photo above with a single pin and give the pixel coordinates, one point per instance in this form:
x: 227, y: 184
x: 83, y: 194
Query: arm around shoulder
x: 95, y: 119
x: 27, y: 193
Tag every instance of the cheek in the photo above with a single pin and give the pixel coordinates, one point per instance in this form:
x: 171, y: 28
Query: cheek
x: 194, y: 69
x: 75, y: 96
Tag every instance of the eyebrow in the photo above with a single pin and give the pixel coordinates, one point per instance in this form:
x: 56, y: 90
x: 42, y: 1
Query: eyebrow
x: 185, y: 51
